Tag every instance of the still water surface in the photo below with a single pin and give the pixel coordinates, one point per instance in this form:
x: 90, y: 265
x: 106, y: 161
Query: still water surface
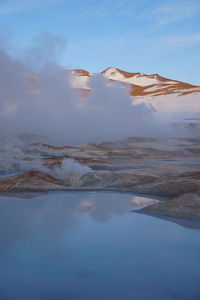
x: 91, y: 246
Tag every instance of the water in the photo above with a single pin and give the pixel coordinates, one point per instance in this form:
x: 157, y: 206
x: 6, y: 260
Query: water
x: 82, y: 246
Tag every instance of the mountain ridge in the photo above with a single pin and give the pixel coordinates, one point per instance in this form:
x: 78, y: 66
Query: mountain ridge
x: 140, y: 84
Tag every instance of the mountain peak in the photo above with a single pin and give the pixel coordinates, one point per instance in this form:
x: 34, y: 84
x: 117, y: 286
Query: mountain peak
x: 140, y: 84
x: 113, y: 70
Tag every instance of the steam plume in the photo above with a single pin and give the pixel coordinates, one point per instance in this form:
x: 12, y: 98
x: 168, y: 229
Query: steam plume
x: 36, y: 98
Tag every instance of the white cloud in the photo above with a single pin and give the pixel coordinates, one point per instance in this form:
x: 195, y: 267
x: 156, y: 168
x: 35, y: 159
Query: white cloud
x: 174, y: 11
x: 181, y: 41
x: 104, y: 9
x: 14, y: 6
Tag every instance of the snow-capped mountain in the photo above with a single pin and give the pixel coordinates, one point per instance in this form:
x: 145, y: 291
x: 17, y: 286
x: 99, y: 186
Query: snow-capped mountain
x: 162, y: 94
x: 140, y: 83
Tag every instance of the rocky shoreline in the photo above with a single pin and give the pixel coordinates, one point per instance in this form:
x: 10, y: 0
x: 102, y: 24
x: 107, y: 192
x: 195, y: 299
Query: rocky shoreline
x: 161, y: 167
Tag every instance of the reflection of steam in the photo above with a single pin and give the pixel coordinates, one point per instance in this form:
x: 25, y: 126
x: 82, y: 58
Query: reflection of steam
x: 86, y: 206
x: 49, y: 216
x: 106, y: 205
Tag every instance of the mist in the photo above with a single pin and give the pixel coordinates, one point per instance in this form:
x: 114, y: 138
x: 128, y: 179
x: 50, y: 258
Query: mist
x: 36, y: 98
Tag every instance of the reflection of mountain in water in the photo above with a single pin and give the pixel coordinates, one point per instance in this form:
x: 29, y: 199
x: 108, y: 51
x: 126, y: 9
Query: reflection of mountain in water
x: 87, y: 245
x: 53, y: 213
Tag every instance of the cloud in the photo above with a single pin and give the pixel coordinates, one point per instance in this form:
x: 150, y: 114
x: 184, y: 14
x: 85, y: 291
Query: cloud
x: 181, y: 41
x: 167, y: 43
x: 172, y: 11
x: 103, y: 9
x: 164, y: 44
x: 15, y: 6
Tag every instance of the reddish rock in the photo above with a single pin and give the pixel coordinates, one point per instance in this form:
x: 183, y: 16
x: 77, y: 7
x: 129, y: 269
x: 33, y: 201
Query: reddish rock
x: 36, y: 180
x: 185, y: 206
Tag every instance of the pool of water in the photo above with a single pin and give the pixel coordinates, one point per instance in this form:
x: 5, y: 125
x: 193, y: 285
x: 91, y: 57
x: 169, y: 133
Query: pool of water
x: 92, y: 246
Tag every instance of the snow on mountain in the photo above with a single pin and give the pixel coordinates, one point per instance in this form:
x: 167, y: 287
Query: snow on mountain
x: 162, y: 94
x: 173, y: 104
x: 155, y: 85
x: 178, y: 101
x: 140, y: 84
x: 131, y: 78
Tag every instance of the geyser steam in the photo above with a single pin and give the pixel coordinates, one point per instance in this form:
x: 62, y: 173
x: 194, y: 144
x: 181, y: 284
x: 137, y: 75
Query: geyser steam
x: 39, y: 100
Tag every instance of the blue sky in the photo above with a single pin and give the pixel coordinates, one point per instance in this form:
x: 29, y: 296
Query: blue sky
x: 149, y: 36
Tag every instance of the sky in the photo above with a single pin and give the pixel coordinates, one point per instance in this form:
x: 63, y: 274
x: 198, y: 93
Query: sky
x: 148, y: 36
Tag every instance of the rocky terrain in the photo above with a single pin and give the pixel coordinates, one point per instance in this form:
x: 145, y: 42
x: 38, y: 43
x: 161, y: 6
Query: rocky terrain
x: 162, y: 167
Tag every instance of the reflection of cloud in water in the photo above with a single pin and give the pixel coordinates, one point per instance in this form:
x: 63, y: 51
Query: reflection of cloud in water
x: 105, y: 205
x: 102, y: 206
x: 46, y: 218
x: 55, y: 252
x: 86, y: 206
